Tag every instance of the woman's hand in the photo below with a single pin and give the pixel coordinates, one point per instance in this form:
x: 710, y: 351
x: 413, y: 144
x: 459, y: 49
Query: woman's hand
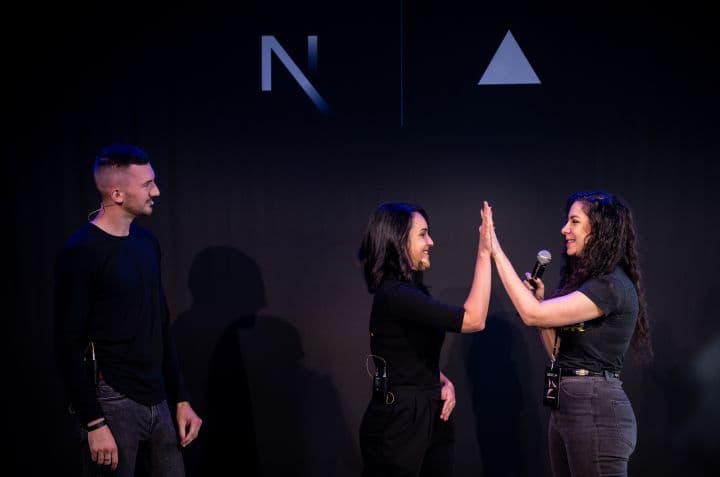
x: 486, y: 230
x: 539, y: 288
x: 447, y: 394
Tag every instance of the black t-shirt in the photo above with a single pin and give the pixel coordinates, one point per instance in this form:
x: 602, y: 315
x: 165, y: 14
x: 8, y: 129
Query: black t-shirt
x: 603, y: 344
x: 108, y: 290
x: 407, y: 329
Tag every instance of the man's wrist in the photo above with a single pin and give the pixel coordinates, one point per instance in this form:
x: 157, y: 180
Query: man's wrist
x: 95, y: 425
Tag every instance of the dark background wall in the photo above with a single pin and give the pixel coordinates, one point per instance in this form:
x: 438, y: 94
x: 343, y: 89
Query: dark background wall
x: 264, y: 200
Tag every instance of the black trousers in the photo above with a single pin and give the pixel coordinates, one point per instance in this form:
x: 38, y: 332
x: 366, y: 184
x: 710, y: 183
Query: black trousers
x: 407, y: 436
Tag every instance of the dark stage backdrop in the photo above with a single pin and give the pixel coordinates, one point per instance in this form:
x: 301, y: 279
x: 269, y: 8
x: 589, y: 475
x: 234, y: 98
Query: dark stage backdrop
x: 265, y: 196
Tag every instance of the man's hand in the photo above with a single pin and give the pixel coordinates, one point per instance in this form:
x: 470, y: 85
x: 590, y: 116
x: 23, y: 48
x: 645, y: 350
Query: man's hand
x: 188, y: 423
x: 103, y: 449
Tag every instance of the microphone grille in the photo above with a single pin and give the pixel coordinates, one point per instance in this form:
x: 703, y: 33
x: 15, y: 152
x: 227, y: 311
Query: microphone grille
x: 544, y: 257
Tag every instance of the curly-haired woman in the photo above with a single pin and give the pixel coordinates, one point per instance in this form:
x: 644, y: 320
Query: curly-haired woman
x: 587, y: 326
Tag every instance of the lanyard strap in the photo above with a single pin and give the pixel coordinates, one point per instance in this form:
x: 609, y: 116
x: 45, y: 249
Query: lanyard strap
x: 555, y: 349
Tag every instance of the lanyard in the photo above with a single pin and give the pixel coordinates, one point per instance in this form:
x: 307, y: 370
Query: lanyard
x: 553, y: 358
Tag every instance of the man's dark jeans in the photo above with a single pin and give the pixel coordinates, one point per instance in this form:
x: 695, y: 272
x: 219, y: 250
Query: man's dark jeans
x: 133, y: 426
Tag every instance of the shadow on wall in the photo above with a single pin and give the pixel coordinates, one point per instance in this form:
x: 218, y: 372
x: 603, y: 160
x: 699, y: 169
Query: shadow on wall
x: 687, y: 389
x: 227, y: 292
x: 499, y: 370
x: 506, y: 388
x: 264, y: 413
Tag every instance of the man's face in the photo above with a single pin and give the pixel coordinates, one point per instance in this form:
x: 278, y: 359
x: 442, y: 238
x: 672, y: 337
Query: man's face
x: 139, y: 189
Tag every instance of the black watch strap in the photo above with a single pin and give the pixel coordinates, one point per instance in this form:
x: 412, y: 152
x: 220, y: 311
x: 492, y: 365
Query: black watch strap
x: 96, y: 426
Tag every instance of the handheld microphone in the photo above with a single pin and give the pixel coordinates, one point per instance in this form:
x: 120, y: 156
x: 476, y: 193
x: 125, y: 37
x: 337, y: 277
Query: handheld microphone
x: 543, y: 260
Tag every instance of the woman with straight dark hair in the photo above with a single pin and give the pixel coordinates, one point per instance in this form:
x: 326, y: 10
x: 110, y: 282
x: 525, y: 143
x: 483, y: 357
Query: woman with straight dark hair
x: 407, y: 428
x: 598, y: 310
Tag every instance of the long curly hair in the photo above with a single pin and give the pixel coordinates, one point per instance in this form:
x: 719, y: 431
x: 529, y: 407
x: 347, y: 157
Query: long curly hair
x: 612, y: 242
x: 383, y: 251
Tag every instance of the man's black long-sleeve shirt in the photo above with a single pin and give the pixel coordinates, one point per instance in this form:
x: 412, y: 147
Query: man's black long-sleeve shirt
x: 108, y: 290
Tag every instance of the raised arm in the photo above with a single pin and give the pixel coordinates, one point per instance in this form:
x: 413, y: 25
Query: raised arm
x: 476, y: 304
x: 565, y: 310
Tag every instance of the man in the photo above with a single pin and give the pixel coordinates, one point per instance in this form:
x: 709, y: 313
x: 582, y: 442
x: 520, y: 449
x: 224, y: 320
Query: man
x: 112, y: 332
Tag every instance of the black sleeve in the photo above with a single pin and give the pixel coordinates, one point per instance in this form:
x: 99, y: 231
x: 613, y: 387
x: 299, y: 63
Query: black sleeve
x: 604, y: 292
x: 72, y: 292
x: 406, y: 301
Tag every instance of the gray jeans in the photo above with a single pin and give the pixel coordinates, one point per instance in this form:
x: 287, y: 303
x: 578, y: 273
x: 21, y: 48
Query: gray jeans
x: 594, y: 431
x: 135, y: 426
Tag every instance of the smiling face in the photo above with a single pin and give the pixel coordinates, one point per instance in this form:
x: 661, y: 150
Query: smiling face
x: 139, y: 189
x: 576, y: 230
x: 419, y: 243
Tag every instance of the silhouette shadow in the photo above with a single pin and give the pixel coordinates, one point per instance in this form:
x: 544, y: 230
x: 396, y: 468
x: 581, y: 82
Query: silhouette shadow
x: 297, y: 410
x: 264, y: 412
x: 227, y: 290
x: 497, y: 396
x: 500, y: 370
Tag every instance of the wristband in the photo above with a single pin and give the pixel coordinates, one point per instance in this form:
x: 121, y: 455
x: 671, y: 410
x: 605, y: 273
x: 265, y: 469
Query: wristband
x: 96, y: 426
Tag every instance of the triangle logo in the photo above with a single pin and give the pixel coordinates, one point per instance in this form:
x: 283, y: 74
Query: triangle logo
x: 509, y: 65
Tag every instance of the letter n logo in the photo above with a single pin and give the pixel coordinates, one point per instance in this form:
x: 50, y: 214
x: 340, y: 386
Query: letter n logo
x: 270, y: 45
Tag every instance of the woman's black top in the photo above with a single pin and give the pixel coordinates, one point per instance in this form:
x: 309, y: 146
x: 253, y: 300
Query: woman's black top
x: 604, y: 341
x: 407, y: 329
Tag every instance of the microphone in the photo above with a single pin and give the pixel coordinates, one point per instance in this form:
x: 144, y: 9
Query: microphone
x: 543, y: 260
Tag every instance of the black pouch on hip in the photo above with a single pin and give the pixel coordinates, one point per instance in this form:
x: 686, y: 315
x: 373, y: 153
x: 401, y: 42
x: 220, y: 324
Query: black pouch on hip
x: 380, y: 386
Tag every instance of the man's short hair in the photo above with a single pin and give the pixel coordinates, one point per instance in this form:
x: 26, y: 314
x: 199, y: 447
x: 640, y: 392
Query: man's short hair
x: 120, y: 155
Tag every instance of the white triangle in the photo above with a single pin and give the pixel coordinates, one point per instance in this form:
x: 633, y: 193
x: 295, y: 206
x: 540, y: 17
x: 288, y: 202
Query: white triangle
x: 509, y: 65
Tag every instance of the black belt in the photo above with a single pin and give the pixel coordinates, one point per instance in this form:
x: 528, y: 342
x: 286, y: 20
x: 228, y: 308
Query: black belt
x: 432, y: 390
x: 403, y: 392
x: 587, y: 372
